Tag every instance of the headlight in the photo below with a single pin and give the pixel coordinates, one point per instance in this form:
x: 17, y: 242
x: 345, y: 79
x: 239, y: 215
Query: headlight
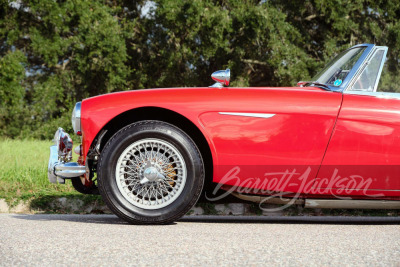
x: 76, y: 119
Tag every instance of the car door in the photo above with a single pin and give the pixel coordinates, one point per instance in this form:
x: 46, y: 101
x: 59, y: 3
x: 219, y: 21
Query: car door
x: 270, y: 139
x: 363, y: 156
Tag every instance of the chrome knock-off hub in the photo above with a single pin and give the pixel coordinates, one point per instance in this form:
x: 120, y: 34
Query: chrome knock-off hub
x: 151, y: 174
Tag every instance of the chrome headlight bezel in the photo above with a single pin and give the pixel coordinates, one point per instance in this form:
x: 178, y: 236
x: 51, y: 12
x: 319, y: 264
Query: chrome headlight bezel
x: 76, y: 118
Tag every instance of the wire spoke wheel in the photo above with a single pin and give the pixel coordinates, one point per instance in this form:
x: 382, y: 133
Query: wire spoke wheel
x: 151, y: 173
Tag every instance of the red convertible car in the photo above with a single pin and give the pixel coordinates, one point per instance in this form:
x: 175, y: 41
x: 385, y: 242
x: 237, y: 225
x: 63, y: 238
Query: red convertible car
x: 332, y: 142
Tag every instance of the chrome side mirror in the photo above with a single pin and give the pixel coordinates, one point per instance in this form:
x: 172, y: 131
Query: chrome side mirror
x: 222, y: 78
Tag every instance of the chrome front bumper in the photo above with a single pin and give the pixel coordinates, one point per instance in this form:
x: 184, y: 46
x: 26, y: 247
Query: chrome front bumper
x: 59, y: 170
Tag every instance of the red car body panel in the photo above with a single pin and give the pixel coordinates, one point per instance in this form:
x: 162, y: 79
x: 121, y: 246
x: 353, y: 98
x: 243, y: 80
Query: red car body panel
x: 295, y: 138
x: 365, y: 147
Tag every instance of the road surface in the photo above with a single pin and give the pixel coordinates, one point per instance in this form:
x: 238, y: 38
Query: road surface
x: 105, y: 240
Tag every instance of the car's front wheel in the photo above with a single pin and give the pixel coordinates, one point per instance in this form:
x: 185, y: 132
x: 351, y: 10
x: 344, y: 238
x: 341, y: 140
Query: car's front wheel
x: 150, y: 172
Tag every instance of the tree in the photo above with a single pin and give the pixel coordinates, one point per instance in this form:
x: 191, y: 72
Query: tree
x: 74, y: 49
x: 179, y: 43
x: 54, y: 53
x: 12, y: 113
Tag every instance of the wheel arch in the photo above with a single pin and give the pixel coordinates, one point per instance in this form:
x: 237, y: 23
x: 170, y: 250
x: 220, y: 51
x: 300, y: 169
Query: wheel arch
x: 168, y: 116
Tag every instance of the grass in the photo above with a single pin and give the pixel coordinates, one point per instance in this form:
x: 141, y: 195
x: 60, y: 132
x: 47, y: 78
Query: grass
x: 23, y: 172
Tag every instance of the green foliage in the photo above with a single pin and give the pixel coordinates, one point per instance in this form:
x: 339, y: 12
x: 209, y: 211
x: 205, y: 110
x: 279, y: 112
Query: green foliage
x: 55, y: 53
x: 12, y: 93
x: 197, y: 37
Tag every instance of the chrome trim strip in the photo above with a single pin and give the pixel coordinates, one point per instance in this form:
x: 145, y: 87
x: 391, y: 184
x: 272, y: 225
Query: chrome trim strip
x: 385, y: 95
x: 256, y: 115
x: 351, y: 204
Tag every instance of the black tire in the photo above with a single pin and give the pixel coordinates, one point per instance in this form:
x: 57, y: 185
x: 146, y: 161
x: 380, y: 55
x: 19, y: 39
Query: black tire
x: 114, y: 148
x: 81, y: 188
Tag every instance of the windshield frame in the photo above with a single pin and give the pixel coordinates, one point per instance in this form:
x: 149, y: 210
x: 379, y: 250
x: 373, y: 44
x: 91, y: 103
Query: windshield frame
x: 369, y: 48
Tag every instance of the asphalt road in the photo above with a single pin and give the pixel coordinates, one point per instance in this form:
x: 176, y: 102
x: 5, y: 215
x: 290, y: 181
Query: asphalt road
x: 93, y: 240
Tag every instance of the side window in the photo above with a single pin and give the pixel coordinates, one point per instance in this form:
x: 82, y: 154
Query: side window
x: 390, y: 80
x: 368, y: 78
